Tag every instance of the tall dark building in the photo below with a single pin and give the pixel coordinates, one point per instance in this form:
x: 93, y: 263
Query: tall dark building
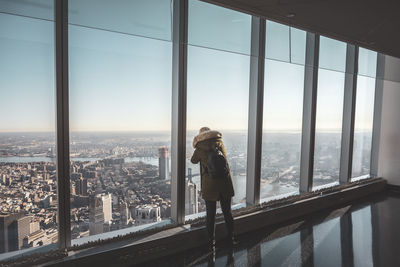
x: 81, y: 187
x: 163, y: 162
x: 13, y: 229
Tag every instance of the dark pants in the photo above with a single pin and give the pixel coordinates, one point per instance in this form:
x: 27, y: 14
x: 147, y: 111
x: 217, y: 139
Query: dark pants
x: 211, y: 207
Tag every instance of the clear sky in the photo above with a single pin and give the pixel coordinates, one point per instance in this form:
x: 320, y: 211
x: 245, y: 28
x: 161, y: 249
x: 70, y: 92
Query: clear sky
x: 120, y: 69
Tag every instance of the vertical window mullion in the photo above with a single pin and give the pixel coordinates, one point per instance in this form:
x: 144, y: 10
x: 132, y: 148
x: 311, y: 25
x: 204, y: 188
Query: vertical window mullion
x: 309, y: 112
x: 256, y: 98
x: 179, y: 92
x: 376, y: 128
x: 62, y: 122
x: 349, y: 109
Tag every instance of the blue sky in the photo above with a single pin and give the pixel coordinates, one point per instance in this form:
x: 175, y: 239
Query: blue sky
x: 122, y: 82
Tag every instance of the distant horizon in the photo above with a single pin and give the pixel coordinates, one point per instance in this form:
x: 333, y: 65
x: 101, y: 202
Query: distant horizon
x: 189, y: 130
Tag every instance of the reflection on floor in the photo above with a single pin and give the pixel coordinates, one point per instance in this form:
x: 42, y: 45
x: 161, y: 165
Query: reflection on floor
x: 366, y: 233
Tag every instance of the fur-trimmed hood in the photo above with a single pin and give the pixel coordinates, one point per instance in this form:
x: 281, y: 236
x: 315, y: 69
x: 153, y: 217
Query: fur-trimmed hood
x: 206, y: 135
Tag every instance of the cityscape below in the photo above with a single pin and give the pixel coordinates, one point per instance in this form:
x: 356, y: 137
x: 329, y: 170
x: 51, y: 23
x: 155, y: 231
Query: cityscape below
x: 121, y: 180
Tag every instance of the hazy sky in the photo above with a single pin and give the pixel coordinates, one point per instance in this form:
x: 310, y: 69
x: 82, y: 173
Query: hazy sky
x: 122, y: 82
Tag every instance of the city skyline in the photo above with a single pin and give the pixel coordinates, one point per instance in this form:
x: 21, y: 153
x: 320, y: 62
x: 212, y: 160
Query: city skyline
x: 125, y: 168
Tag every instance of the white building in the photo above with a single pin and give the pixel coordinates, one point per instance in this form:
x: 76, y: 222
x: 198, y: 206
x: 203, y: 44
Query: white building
x: 192, y: 198
x: 107, y: 206
x: 100, y: 213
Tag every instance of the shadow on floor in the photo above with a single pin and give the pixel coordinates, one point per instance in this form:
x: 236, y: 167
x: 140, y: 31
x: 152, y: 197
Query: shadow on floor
x: 365, y: 233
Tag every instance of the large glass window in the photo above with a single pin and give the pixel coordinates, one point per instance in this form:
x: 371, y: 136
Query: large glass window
x: 283, y: 106
x: 364, y: 113
x: 218, y: 90
x: 28, y: 186
x: 332, y: 61
x: 120, y: 116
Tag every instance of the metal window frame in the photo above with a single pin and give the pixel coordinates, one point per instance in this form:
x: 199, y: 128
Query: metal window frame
x: 256, y: 99
x: 309, y: 112
x: 349, y: 108
x: 62, y: 122
x: 179, y: 93
x: 179, y: 113
x: 376, y: 128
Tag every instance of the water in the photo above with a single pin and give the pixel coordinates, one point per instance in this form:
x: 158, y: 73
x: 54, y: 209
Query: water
x: 269, y: 190
x: 147, y: 160
x: 275, y: 189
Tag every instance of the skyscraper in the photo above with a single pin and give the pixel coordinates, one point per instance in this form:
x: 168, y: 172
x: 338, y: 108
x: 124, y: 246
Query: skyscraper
x: 81, y: 186
x: 107, y: 207
x: 96, y: 215
x: 192, y: 197
x: 13, y: 229
x: 163, y: 162
x: 124, y: 213
x: 100, y: 212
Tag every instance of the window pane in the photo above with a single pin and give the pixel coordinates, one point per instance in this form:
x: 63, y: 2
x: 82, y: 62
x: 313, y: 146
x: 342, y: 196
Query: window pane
x: 120, y: 122
x: 332, y: 54
x: 282, y: 122
x: 328, y: 127
x: 217, y: 97
x: 220, y: 28
x: 363, y: 126
x: 43, y: 9
x: 28, y: 185
x: 364, y: 114
x: 367, y: 62
x: 277, y: 41
x: 298, y: 46
x: 140, y: 17
x: 285, y: 43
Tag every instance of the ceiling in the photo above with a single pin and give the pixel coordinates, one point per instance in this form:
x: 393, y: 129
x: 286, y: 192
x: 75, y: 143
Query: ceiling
x: 374, y: 24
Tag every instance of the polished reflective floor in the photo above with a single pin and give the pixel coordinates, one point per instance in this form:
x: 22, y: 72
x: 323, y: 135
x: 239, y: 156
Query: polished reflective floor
x: 366, y: 233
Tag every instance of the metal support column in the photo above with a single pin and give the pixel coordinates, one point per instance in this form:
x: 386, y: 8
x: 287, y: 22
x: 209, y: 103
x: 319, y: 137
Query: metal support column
x: 309, y: 112
x: 178, y: 138
x: 62, y: 122
x: 376, y: 130
x: 256, y: 97
x: 349, y: 108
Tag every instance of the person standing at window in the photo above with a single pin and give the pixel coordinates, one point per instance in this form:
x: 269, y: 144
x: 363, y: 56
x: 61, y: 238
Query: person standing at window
x: 216, y: 180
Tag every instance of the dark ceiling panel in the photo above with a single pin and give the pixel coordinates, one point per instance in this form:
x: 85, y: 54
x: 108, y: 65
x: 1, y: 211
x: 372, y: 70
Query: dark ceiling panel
x: 374, y: 24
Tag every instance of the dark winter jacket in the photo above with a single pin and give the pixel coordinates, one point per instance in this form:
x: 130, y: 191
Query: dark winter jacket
x: 211, y: 189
